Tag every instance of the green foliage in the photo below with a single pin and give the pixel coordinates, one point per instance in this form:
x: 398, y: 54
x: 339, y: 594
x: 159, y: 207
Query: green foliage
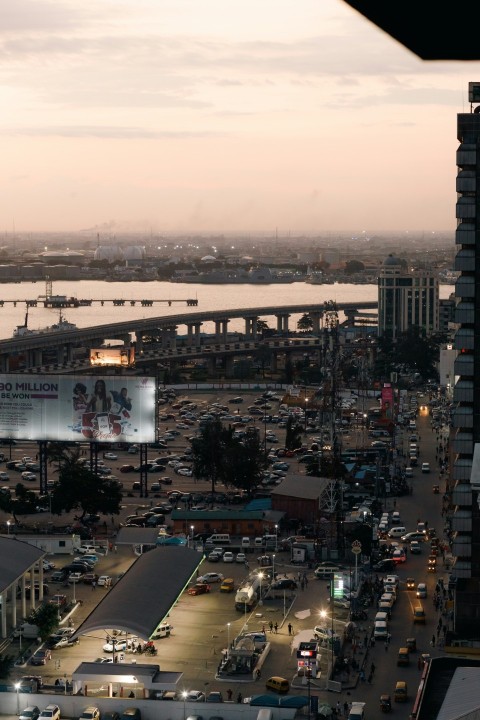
x: 293, y: 434
x: 354, y: 266
x: 220, y: 457
x: 305, y: 323
x: 45, y: 617
x: 79, y: 487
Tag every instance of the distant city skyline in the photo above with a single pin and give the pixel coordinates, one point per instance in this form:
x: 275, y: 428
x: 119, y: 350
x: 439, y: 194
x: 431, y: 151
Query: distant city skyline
x: 179, y: 116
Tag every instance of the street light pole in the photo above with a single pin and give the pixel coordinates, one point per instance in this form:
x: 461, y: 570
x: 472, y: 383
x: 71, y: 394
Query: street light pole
x: 8, y: 527
x: 273, y: 568
x: 17, y: 688
x: 306, y: 403
x: 228, y: 637
x: 184, y: 696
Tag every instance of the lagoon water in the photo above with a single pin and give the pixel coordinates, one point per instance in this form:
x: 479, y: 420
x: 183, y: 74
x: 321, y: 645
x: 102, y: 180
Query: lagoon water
x: 210, y: 297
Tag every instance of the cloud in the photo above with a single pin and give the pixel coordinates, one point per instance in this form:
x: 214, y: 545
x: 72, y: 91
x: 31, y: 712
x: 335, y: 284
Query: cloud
x: 104, y: 132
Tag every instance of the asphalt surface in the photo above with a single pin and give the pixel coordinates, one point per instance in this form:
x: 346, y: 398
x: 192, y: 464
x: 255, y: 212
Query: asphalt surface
x: 203, y: 625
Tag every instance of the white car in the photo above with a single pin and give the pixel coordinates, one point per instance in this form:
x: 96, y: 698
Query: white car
x: 240, y: 558
x: 110, y: 456
x: 228, y: 557
x: 120, y: 645
x: 421, y: 590
x: 425, y: 467
x: 325, y: 634
x: 51, y: 712
x: 195, y: 696
x: 211, y: 577
x: 104, y: 581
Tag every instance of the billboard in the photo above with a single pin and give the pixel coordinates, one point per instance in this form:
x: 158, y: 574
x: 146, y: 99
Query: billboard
x: 387, y: 402
x: 116, y: 356
x: 73, y: 408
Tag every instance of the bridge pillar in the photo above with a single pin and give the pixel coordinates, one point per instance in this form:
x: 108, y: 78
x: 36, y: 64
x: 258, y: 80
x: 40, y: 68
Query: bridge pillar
x: 4, y: 363
x: 172, y: 336
x: 251, y: 328
x: 228, y: 361
x: 190, y: 327
x: 282, y: 323
x: 273, y: 362
x: 211, y: 366
x: 37, y: 357
x: 316, y: 317
x: 138, y: 342
x: 198, y: 337
x: 221, y: 329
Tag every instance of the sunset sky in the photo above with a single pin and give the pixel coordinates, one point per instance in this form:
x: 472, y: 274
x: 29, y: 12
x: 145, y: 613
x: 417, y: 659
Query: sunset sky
x: 174, y: 116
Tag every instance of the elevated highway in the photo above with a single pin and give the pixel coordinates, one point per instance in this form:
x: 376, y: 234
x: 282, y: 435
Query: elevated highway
x: 163, y: 330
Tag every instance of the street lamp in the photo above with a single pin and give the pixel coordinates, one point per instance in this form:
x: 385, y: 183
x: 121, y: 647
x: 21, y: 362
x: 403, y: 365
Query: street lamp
x: 260, y: 575
x: 276, y: 538
x: 17, y: 688
x: 8, y: 527
x: 228, y: 639
x: 74, y: 598
x: 184, y: 696
x: 192, y: 528
x: 273, y: 567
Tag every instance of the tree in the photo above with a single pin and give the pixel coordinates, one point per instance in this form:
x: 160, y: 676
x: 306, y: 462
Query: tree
x: 79, y: 487
x: 262, y: 327
x: 218, y: 456
x: 45, y: 617
x: 293, y: 434
x: 305, y: 323
x: 6, y: 665
x: 263, y: 355
x: 354, y: 266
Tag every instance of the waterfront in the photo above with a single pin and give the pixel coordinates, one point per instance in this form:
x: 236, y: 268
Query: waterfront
x: 210, y: 297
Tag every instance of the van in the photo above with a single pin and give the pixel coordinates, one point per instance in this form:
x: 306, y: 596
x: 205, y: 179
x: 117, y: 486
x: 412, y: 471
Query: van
x: 258, y: 542
x: 278, y: 684
x: 381, y: 616
x: 380, y: 629
x: 218, y: 538
x: 408, y: 472
x: 397, y: 532
x: 228, y: 585
x: 403, y: 657
x: 419, y: 614
x: 245, y: 542
x: 163, y: 630
x: 400, y: 694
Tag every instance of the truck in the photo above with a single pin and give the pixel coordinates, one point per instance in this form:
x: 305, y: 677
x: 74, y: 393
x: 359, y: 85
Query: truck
x: 246, y: 596
x: 26, y: 630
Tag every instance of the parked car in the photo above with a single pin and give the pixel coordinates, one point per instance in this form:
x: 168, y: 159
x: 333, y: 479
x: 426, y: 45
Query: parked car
x: 210, y: 577
x: 228, y: 557
x: 51, y: 712
x: 29, y: 713
x: 195, y: 696
x: 90, y: 713
x: 41, y: 657
x: 198, y: 589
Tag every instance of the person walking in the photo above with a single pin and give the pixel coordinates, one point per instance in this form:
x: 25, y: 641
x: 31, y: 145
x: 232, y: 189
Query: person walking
x: 290, y: 628
x: 432, y: 641
x: 372, y: 669
x: 270, y: 625
x: 275, y: 627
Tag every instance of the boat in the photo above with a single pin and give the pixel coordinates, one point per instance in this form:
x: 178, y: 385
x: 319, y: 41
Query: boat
x: 61, y: 326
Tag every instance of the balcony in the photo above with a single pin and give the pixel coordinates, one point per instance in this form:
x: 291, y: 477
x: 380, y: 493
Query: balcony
x: 462, y: 469
x: 464, y: 366
x: 465, y: 209
x: 466, y: 155
x: 465, y: 260
x: 462, y: 547
x: 466, y: 181
x: 462, y: 417
x: 462, y: 569
x: 465, y: 287
x: 464, y: 339
x: 462, y: 521
x: 463, y: 391
x: 462, y: 495
x: 462, y: 443
x: 465, y: 313
x: 465, y: 234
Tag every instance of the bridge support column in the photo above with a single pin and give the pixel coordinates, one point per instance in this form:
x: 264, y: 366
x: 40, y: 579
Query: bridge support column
x: 138, y: 342
x: 38, y: 358
x: 316, y: 317
x: 4, y: 363
x: 282, y: 323
x: 69, y: 352
x: 273, y: 362
x: 190, y: 327
x: 251, y: 328
x: 211, y: 366
x: 172, y: 336
x: 228, y: 360
x: 221, y: 330
x: 198, y: 337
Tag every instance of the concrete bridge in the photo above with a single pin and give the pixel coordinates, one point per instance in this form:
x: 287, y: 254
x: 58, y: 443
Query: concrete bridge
x: 164, y: 330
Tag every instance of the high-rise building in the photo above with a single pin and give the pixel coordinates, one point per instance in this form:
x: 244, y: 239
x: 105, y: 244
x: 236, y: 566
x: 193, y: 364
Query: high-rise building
x: 406, y: 299
x: 465, y: 435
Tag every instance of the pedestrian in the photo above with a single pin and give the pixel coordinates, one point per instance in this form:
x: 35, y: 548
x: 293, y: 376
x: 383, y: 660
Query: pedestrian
x: 370, y: 678
x: 229, y: 694
x: 302, y: 585
x: 239, y: 697
x: 372, y: 669
x: 275, y: 627
x: 263, y: 628
x: 94, y: 584
x: 115, y: 548
x: 386, y: 645
x: 270, y: 625
x: 362, y: 676
x: 432, y: 641
x: 290, y: 629
x: 339, y: 708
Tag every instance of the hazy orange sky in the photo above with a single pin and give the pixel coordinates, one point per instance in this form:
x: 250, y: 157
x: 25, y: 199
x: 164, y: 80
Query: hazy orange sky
x: 218, y: 115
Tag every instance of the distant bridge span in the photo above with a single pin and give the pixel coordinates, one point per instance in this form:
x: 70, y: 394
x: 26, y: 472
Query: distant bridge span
x: 165, y: 329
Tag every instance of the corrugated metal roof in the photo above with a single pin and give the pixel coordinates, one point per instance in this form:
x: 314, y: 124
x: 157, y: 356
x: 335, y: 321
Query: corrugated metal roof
x: 16, y: 557
x: 217, y: 514
x: 136, y: 536
x: 302, y: 486
x: 145, y: 594
x: 463, y: 695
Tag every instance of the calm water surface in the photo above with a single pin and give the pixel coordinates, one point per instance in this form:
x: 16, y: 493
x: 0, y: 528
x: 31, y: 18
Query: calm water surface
x: 210, y: 297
